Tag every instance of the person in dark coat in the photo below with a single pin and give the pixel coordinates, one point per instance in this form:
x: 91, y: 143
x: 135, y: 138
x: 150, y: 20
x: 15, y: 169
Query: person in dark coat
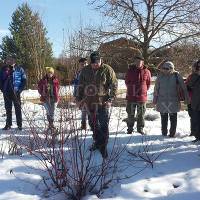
x: 166, y: 96
x: 48, y: 88
x: 75, y: 82
x: 12, y: 83
x: 97, y: 89
x: 137, y: 80
x: 193, y: 84
x: 190, y: 96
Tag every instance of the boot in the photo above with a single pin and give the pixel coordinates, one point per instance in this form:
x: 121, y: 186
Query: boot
x: 141, y: 131
x: 93, y: 147
x: 129, y: 130
x: 6, y: 128
x: 83, y: 126
x: 103, y: 151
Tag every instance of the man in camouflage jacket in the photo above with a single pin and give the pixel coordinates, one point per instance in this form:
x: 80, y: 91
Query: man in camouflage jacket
x: 97, y: 89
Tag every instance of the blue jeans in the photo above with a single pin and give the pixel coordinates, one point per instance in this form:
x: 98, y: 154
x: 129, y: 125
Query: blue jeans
x: 99, y: 122
x: 50, y: 109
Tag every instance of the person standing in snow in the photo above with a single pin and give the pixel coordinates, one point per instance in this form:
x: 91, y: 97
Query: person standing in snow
x: 12, y: 83
x: 97, y: 89
x: 193, y: 85
x: 75, y: 82
x: 166, y: 96
x: 137, y: 80
x: 190, y: 96
x: 48, y: 88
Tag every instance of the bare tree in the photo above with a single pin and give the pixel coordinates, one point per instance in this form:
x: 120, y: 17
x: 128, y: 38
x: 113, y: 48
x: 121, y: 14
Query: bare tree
x: 78, y: 43
x: 154, y: 24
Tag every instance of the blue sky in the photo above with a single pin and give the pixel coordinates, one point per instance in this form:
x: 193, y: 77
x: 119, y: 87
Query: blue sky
x: 56, y: 16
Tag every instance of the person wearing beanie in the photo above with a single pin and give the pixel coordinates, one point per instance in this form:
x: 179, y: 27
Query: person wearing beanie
x: 193, y: 85
x: 12, y: 83
x: 48, y: 88
x: 166, y: 96
x: 75, y: 82
x: 95, y: 57
x: 97, y: 89
x: 50, y: 70
x: 137, y: 80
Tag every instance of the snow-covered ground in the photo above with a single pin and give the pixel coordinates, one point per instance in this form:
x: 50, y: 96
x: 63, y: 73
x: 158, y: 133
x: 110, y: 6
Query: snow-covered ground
x: 176, y: 161
x: 33, y: 94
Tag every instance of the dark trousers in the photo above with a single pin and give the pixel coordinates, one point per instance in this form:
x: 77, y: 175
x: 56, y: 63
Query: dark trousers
x: 99, y: 122
x: 164, y: 123
x: 83, y: 116
x: 190, y: 113
x: 195, y: 123
x: 9, y: 99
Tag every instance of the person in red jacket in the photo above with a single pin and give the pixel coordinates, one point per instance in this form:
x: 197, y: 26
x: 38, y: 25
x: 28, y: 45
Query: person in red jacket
x: 138, y: 80
x: 48, y: 88
x: 194, y: 66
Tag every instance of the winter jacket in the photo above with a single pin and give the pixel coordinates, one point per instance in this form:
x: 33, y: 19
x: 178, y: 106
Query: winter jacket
x: 188, y: 89
x: 166, y: 95
x: 49, y: 89
x: 12, y: 79
x: 96, y: 86
x: 194, y: 85
x: 137, y: 82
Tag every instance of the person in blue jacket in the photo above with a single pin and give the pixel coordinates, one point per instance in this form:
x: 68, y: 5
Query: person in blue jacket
x: 82, y: 63
x: 12, y: 82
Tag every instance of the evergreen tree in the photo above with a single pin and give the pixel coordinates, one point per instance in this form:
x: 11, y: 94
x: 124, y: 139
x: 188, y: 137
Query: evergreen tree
x: 29, y: 42
x: 7, y: 47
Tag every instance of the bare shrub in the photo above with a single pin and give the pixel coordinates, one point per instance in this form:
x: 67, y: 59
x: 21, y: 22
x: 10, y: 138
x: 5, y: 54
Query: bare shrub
x: 146, y: 152
x: 64, y: 153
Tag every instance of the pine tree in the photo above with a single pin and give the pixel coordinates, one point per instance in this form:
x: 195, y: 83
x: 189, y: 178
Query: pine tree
x: 7, y: 47
x: 30, y: 43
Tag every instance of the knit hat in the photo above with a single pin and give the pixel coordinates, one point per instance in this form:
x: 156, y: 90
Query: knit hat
x: 168, y: 64
x: 50, y: 70
x: 95, y: 57
x: 139, y: 57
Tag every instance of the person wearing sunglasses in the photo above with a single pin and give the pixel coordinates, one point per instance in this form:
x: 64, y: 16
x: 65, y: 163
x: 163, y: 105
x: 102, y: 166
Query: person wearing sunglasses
x: 166, y: 97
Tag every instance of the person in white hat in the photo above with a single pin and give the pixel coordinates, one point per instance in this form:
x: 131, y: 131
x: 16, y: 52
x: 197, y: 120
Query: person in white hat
x: 166, y: 96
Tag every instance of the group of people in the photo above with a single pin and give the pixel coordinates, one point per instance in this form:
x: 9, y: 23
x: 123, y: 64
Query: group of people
x: 169, y: 91
x: 12, y: 83
x: 95, y: 88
